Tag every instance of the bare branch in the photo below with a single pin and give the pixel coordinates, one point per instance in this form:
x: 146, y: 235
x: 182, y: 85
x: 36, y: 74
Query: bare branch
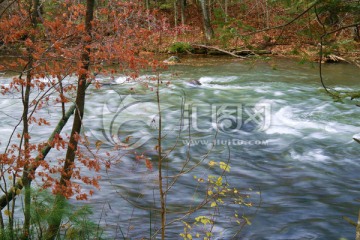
x: 285, y: 24
x: 5, y: 199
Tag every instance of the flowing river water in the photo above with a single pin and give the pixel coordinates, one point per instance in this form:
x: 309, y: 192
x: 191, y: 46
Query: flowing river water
x: 289, y: 145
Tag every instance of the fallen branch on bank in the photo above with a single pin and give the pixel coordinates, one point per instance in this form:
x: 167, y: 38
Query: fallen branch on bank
x: 332, y: 58
x: 356, y: 63
x: 218, y: 49
x: 247, y: 52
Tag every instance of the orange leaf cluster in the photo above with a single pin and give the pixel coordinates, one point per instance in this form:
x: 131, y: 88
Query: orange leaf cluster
x: 48, y: 58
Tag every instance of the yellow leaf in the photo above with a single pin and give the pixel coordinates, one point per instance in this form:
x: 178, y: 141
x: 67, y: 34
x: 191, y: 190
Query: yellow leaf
x: 224, y: 166
x: 203, y: 219
x: 7, y: 212
x: 212, y: 163
x: 186, y: 225
x: 213, y: 204
x: 210, y: 192
x: 219, y: 181
x: 19, y: 181
x: 98, y: 144
x: 247, y: 220
x: 18, y: 191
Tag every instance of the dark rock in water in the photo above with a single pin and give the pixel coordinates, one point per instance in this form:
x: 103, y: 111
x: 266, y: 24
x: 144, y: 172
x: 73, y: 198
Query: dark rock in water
x: 195, y: 82
x: 107, y: 83
x: 172, y: 60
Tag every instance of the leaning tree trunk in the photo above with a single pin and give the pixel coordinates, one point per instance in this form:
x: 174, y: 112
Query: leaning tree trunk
x: 209, y: 32
x: 9, y: 196
x: 58, y: 208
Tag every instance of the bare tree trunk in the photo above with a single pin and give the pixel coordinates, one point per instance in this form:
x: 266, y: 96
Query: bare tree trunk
x: 357, y: 33
x: 160, y: 165
x: 266, y: 14
x: 226, y: 3
x: 209, y: 7
x: 26, y: 178
x: 35, y: 5
x: 209, y: 32
x: 175, y: 13
x: 54, y: 223
x: 182, y: 9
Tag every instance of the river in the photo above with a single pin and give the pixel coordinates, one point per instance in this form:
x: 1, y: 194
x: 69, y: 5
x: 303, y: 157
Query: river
x: 289, y: 145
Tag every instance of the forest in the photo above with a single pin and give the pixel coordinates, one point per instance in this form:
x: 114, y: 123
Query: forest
x: 179, y: 119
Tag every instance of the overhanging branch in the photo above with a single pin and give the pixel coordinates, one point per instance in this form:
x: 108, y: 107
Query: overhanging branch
x: 5, y: 199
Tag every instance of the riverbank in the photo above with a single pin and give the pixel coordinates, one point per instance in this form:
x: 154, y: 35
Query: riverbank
x: 307, y: 52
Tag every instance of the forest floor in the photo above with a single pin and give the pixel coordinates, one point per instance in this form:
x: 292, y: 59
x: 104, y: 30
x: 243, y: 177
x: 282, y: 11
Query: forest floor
x: 249, y: 30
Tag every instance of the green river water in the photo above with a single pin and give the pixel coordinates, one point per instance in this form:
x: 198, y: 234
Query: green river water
x: 282, y: 135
